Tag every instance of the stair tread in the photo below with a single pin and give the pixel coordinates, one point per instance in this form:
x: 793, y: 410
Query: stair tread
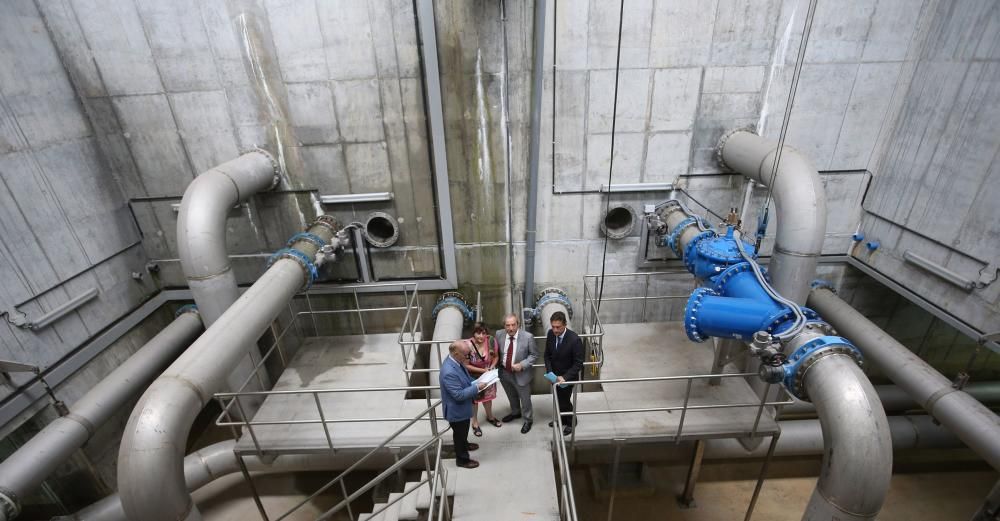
x: 408, y: 506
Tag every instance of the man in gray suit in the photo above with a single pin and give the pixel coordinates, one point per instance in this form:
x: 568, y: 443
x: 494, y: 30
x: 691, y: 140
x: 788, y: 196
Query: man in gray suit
x: 517, y: 353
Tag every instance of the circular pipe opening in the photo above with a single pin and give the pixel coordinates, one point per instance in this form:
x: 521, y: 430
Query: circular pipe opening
x: 380, y: 230
x: 618, y: 222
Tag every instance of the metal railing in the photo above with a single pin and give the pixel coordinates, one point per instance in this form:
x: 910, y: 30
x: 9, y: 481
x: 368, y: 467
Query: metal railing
x: 567, y: 501
x: 411, y: 331
x: 594, y: 280
x: 435, y: 474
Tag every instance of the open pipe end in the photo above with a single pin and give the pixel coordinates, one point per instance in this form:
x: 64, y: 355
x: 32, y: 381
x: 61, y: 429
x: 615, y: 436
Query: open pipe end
x: 618, y: 222
x: 380, y: 230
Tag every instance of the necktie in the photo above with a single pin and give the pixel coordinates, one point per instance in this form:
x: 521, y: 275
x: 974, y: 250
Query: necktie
x: 510, y: 354
x: 558, y: 341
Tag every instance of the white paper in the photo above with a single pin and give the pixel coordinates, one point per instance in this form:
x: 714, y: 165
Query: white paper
x: 489, y: 378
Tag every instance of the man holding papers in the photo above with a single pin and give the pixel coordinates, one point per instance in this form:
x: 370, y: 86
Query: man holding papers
x: 457, y: 391
x: 564, y: 359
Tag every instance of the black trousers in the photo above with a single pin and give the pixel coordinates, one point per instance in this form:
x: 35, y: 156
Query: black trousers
x: 460, y: 436
x: 565, y: 397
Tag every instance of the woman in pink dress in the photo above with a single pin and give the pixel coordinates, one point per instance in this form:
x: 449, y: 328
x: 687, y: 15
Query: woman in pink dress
x: 483, y: 358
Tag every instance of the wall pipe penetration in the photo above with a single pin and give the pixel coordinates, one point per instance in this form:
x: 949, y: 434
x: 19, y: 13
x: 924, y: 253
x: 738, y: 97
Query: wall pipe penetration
x: 977, y: 426
x: 449, y: 315
x: 150, y: 463
x: 25, y: 469
x: 736, y: 302
x: 201, y: 236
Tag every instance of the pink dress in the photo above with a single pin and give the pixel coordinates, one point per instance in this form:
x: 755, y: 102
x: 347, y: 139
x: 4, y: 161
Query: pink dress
x: 483, y: 362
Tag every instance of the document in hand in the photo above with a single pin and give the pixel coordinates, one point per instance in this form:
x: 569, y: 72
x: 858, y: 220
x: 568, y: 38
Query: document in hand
x: 489, y: 377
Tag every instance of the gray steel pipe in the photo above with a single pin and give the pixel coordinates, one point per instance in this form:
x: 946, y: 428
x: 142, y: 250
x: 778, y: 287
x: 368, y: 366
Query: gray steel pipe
x: 447, y: 327
x: 805, y: 438
x: 857, y: 444
x: 201, y: 227
x: 24, y: 470
x: 537, y: 80
x: 218, y: 460
x: 150, y: 463
x: 800, y: 203
x: 201, y: 236
x: 977, y: 426
x: 895, y: 399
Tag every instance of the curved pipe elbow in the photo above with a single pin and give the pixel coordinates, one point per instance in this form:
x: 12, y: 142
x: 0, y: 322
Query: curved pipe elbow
x: 800, y: 201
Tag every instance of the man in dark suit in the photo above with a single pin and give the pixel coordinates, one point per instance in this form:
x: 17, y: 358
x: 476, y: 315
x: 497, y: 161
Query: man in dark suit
x: 563, y: 358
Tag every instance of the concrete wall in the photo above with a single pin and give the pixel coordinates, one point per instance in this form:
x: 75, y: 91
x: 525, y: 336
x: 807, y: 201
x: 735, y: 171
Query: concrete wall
x: 938, y: 178
x: 65, y: 225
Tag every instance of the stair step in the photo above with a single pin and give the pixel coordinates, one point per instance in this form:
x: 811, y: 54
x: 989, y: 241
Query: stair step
x: 392, y: 513
x: 408, y: 506
x: 423, y: 495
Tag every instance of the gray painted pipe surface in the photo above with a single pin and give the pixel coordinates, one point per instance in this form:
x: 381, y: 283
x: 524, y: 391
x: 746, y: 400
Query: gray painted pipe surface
x: 150, y: 463
x: 447, y: 327
x: 857, y: 444
x: 970, y: 420
x: 805, y: 438
x: 25, y: 469
x: 800, y: 203
x: 537, y: 75
x: 895, y: 399
x: 211, y: 463
x: 201, y: 237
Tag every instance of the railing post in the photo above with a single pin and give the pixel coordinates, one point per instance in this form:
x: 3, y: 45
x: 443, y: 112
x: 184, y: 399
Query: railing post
x: 312, y: 314
x: 343, y: 490
x: 253, y: 488
x: 322, y: 419
x: 686, y: 499
x: 246, y: 422
x: 760, y: 477
x: 614, y: 477
x: 357, y: 306
x: 687, y: 398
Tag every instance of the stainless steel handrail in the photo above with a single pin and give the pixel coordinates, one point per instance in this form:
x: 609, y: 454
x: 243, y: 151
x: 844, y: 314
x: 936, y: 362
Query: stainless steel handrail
x: 567, y: 502
x: 645, y: 298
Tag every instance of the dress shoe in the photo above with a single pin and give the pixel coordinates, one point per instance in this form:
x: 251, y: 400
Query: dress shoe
x: 510, y: 417
x: 473, y: 446
x: 526, y: 427
x: 567, y: 430
x: 471, y: 464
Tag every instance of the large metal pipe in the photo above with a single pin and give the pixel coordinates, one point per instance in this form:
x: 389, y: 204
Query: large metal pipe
x: 24, y: 470
x: 857, y: 444
x: 805, y: 438
x: 150, y: 463
x: 977, y: 426
x: 895, y: 399
x: 449, y: 317
x: 215, y: 461
x: 800, y: 202
x: 537, y: 77
x: 201, y: 236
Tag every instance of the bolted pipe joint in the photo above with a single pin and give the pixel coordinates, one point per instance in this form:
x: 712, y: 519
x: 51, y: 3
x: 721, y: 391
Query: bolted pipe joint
x: 454, y: 299
x: 549, y: 301
x: 808, y: 354
x: 709, y: 254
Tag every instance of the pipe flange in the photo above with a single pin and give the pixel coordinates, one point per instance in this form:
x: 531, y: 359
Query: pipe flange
x: 689, y: 251
x: 671, y: 239
x: 722, y: 144
x: 311, y: 238
x: 327, y: 222
x: 817, y: 325
x: 456, y: 300
x: 382, y: 240
x: 807, y: 355
x: 309, y: 272
x: 691, y: 313
x: 9, y: 504
x: 274, y: 164
x: 187, y: 308
x: 549, y: 295
x: 618, y: 232
x: 723, y: 278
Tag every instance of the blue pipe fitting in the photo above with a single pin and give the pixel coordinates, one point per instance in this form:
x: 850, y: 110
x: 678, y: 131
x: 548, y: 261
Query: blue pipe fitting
x: 709, y: 255
x: 312, y: 238
x: 858, y: 237
x: 872, y: 245
x: 820, y: 283
x: 552, y: 295
x: 308, y: 268
x: 808, y: 354
x: 456, y: 300
x: 691, y: 249
x: 186, y: 308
